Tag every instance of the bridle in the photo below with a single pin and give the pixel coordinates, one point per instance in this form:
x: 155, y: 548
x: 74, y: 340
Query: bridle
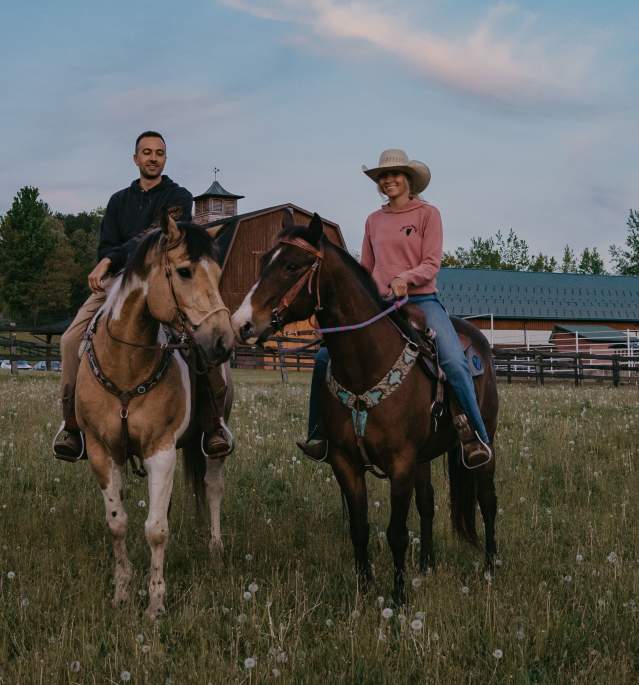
x: 312, y: 272
x: 184, y: 337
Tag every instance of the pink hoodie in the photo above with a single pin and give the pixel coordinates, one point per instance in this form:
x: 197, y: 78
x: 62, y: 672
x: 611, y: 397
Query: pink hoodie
x: 404, y: 243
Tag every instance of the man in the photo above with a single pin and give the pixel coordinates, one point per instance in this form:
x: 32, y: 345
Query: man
x: 129, y: 214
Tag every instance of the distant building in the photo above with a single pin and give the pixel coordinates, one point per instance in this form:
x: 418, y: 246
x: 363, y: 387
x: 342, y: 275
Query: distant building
x: 522, y: 309
x: 215, y: 203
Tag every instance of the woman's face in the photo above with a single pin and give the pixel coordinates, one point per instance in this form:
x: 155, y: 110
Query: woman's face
x: 393, y: 184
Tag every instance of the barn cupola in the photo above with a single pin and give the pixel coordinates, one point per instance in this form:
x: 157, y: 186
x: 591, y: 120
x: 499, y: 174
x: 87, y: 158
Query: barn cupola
x: 215, y: 203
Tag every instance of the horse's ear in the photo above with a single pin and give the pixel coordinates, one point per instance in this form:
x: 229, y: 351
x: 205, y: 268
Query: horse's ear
x: 287, y: 219
x: 214, y: 231
x: 170, y: 229
x: 315, y: 229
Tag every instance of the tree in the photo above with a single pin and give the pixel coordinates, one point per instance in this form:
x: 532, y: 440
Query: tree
x: 495, y: 252
x: 543, y: 262
x: 26, y: 241
x: 82, y: 232
x: 627, y: 261
x: 591, y: 262
x: 568, y: 261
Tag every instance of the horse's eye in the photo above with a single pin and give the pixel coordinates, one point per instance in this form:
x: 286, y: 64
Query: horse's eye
x: 184, y: 272
x: 292, y: 267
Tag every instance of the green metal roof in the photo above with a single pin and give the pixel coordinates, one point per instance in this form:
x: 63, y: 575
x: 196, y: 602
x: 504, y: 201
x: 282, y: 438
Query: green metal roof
x: 539, y: 295
x: 595, y: 334
x: 216, y: 190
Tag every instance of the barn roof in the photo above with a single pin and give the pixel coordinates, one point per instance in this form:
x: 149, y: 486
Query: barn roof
x: 539, y: 295
x: 595, y: 334
x: 216, y: 190
x: 230, y: 224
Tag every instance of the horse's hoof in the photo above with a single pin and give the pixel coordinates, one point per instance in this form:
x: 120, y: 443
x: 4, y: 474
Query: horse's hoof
x: 216, y: 550
x: 153, y: 613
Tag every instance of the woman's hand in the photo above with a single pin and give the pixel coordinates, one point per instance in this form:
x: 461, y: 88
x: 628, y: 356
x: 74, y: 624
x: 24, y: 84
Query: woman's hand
x: 399, y: 287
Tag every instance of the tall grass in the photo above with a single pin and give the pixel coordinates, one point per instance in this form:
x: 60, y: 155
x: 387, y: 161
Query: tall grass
x: 284, y: 606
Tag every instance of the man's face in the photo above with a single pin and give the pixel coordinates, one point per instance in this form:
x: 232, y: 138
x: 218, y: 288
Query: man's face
x: 150, y: 157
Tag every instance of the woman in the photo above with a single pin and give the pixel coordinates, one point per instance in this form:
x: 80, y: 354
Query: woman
x: 402, y: 249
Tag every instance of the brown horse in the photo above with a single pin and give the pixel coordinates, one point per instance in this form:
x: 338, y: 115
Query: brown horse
x: 303, y: 274
x: 134, y: 393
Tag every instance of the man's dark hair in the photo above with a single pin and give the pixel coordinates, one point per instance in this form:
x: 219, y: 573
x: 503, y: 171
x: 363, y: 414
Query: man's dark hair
x: 148, y: 134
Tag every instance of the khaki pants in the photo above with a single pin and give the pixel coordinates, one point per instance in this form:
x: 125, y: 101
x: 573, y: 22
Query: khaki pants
x: 210, y: 388
x: 69, y: 352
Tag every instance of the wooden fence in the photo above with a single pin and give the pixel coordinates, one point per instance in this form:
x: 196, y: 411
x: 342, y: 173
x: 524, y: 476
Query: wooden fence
x: 286, y: 354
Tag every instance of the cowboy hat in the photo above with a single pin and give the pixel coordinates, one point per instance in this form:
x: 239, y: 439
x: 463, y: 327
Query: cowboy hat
x: 397, y: 160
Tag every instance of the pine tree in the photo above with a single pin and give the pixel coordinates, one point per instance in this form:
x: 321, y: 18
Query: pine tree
x: 26, y: 241
x: 591, y: 262
x: 627, y: 261
x: 568, y: 261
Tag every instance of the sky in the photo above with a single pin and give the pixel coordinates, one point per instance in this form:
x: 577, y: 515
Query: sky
x: 526, y: 113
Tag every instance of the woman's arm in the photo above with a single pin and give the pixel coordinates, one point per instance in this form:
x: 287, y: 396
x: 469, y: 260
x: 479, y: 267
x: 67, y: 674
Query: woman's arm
x: 367, y: 260
x: 431, y: 252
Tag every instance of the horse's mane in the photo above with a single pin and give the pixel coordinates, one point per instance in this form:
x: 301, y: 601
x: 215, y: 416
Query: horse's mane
x: 361, y: 274
x: 198, y: 244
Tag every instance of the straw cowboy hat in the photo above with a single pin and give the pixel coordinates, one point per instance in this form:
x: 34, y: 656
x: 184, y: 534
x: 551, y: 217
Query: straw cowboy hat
x: 397, y: 160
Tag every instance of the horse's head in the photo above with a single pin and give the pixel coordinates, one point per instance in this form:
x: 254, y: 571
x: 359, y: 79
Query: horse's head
x: 182, y: 282
x: 287, y: 288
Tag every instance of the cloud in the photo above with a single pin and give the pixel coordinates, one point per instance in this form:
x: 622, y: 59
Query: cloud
x: 500, y: 57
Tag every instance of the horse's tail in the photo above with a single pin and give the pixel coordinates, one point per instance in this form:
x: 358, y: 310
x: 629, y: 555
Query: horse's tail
x: 195, y: 471
x: 463, y: 497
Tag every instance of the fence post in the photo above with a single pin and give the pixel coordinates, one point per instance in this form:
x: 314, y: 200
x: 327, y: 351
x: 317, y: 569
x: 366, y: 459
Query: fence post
x: 508, y: 370
x: 283, y: 369
x: 12, y: 349
x: 615, y: 371
x: 540, y: 367
x: 577, y: 370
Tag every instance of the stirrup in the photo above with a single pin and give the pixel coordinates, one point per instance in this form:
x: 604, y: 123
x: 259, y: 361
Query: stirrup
x: 486, y: 461
x: 229, y: 439
x: 67, y: 457
x: 307, y: 450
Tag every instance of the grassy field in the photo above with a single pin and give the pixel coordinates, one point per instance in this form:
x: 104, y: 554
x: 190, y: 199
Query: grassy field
x: 563, y: 606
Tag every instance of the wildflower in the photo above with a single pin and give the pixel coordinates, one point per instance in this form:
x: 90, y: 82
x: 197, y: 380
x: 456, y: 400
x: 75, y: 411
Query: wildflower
x: 329, y: 623
x: 74, y: 666
x: 11, y: 575
x: 416, y: 582
x: 52, y: 510
x: 498, y: 654
x: 125, y: 676
x: 276, y: 673
x: 253, y: 588
x: 250, y: 662
x: 141, y: 504
x: 249, y: 557
x: 612, y: 558
x: 415, y: 541
x: 376, y: 504
x: 420, y: 615
x: 387, y: 613
x: 57, y: 480
x: 520, y: 635
x: 465, y: 590
x: 247, y: 596
x: 488, y: 576
x: 567, y: 579
x: 380, y: 601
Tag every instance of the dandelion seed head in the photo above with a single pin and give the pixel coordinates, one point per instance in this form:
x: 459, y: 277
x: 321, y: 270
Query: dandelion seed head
x: 125, y: 676
x: 329, y: 622
x: 498, y: 654
x: 253, y: 588
x: 276, y: 673
x: 465, y: 589
x: 146, y: 649
x: 579, y: 558
x: 11, y: 575
x: 247, y: 596
x: 416, y: 583
x: 420, y: 615
x: 141, y: 504
x: 612, y: 558
x: 387, y: 613
x: 74, y: 666
x: 250, y: 662
x: 248, y: 557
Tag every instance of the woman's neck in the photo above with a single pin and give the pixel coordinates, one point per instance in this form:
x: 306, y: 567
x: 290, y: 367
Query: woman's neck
x: 399, y: 202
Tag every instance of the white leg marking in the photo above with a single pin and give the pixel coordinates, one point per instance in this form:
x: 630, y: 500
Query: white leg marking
x: 214, y: 480
x: 117, y: 521
x: 160, y: 469
x: 186, y: 390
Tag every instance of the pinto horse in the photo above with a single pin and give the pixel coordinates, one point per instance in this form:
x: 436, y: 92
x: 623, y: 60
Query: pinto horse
x: 305, y: 274
x: 134, y: 393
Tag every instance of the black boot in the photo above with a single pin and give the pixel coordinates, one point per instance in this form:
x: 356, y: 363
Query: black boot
x: 68, y: 445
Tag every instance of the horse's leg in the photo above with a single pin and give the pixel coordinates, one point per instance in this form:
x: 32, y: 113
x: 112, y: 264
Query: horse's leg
x: 402, y: 485
x: 109, y: 475
x: 353, y: 485
x: 214, y: 480
x: 488, y: 506
x: 160, y: 469
x: 425, y: 498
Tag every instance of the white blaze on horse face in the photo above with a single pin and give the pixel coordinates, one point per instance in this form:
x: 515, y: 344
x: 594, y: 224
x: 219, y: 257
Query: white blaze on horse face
x: 244, y: 313
x: 160, y: 468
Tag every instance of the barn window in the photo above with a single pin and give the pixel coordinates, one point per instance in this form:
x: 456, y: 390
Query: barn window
x: 229, y: 206
x: 215, y: 205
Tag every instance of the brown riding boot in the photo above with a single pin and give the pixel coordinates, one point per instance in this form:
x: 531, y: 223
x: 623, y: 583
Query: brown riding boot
x: 217, y: 440
x: 68, y: 444
x: 475, y: 452
x: 316, y: 450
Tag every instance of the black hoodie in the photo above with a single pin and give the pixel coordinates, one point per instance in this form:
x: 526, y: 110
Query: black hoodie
x: 131, y: 211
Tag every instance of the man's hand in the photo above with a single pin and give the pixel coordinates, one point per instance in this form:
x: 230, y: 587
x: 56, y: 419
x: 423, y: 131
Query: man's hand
x: 399, y: 287
x: 98, y: 273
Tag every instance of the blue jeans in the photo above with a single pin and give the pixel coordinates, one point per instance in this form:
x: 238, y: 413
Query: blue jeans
x: 451, y: 357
